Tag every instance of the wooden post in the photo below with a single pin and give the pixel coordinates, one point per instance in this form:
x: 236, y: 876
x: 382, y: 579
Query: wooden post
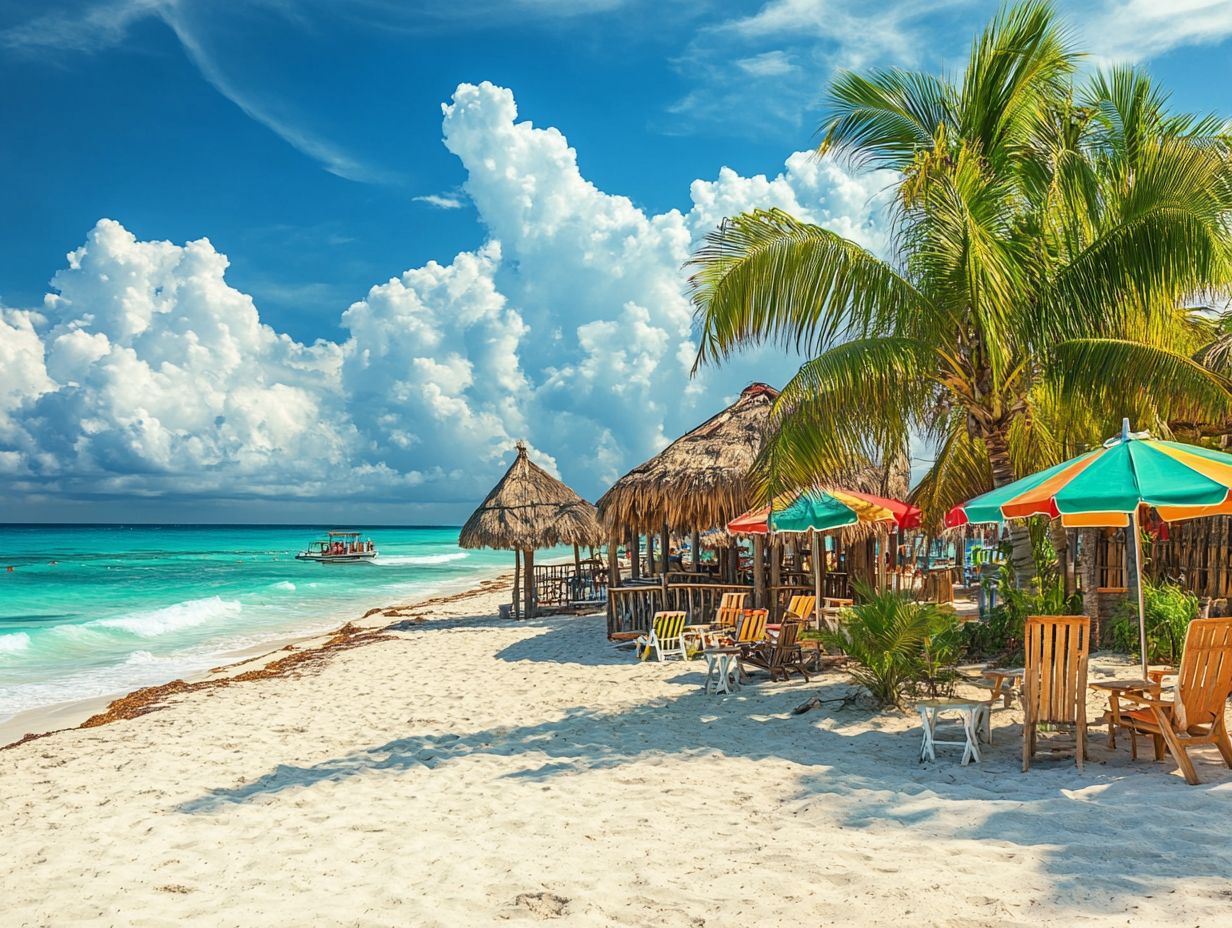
x: 819, y: 572
x: 528, y: 561
x: 695, y: 543
x: 759, y: 571
x: 776, y: 576
x: 634, y: 547
x: 613, y: 579
x: 577, y: 560
x: 652, y: 562
x: 667, y: 550
x: 517, y: 582
x: 733, y: 560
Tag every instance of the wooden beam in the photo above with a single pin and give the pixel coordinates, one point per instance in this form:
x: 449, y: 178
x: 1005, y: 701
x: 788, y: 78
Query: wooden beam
x: 759, y: 571
x: 613, y: 579
x: 695, y: 545
x: 667, y: 550
x: 517, y: 583
x: 529, y: 563
x: 634, y: 546
x: 776, y: 575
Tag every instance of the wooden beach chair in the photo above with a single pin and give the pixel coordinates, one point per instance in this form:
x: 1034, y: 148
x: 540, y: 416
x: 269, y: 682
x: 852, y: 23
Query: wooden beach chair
x: 780, y: 656
x: 666, y: 637
x: 1196, y: 715
x: 752, y: 626
x: 731, y: 607
x: 1055, y: 679
x: 804, y: 608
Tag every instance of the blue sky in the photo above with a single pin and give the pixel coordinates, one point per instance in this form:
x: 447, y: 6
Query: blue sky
x: 536, y: 287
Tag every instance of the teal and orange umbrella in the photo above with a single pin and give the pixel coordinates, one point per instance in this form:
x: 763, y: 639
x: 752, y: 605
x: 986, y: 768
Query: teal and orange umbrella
x: 1107, y: 487
x: 821, y: 510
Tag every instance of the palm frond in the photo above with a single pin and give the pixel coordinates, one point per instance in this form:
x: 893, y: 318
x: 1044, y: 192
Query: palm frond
x: 850, y: 406
x: 1141, y: 381
x: 766, y: 276
x: 883, y: 119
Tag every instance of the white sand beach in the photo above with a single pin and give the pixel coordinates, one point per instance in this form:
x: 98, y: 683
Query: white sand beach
x: 469, y: 771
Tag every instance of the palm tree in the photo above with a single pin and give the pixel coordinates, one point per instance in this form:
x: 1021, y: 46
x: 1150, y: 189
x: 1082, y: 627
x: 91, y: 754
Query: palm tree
x: 1045, y: 239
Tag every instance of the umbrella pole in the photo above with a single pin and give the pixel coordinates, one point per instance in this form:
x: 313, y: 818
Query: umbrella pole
x: 818, y: 597
x: 1133, y: 527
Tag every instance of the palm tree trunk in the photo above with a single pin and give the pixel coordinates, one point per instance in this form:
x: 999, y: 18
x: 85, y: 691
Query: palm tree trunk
x: 1022, y: 559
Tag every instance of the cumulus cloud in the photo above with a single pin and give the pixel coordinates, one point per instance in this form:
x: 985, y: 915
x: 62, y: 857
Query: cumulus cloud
x: 146, y: 372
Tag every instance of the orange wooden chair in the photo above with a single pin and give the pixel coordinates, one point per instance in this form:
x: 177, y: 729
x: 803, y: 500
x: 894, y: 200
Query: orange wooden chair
x: 731, y: 607
x: 1196, y: 715
x: 1055, y: 679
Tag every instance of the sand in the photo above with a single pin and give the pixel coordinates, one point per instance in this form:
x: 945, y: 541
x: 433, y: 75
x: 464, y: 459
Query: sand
x: 468, y: 771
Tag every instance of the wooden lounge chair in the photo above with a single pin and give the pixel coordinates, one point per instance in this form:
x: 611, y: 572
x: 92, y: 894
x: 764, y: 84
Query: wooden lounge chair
x: 1196, y: 715
x: 752, y: 626
x: 1054, y: 680
x: 731, y: 607
x: 799, y: 608
x: 778, y: 657
x: 666, y: 637
x: 802, y: 607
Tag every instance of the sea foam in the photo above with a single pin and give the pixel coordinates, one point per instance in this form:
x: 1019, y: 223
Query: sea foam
x: 172, y: 618
x: 402, y: 560
x: 14, y: 643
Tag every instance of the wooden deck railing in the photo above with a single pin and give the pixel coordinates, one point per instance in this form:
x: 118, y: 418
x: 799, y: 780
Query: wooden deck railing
x: 559, y: 585
x: 632, y: 606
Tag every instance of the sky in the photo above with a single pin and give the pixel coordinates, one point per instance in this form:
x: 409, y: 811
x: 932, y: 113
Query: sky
x: 319, y: 260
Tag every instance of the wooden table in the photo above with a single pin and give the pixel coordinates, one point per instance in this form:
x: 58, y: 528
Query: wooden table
x: 974, y: 716
x: 723, y: 663
x: 832, y: 607
x: 1003, y: 682
x: 1114, y: 689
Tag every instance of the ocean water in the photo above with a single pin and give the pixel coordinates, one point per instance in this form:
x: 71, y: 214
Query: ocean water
x: 92, y: 610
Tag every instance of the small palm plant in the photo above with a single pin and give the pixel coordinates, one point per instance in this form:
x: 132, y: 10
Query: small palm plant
x: 890, y: 639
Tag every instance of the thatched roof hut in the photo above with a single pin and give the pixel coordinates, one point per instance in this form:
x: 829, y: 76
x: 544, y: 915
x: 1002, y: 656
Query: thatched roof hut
x: 700, y: 480
x: 530, y: 509
x: 527, y: 510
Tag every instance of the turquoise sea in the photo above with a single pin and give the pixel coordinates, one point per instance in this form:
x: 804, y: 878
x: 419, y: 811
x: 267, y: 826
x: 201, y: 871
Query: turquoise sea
x: 92, y: 610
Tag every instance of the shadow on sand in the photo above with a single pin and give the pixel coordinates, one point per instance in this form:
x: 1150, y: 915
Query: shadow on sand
x: 1129, y: 812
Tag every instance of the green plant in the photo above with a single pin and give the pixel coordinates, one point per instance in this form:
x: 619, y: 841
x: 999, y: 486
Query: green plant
x: 1168, y: 611
x: 896, y: 645
x: 999, y: 636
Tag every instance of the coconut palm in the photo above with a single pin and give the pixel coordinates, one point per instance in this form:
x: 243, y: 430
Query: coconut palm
x: 1044, y: 240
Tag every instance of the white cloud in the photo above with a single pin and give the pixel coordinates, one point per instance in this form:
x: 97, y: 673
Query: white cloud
x: 92, y: 27
x: 163, y: 370
x: 440, y: 201
x: 767, y: 64
x: 1141, y: 29
x: 570, y: 328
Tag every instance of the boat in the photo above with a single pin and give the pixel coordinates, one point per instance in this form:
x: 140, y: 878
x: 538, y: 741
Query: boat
x: 340, y: 548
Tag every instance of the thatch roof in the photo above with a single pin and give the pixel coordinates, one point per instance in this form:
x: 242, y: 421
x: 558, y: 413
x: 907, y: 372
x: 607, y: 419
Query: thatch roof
x: 530, y: 509
x: 700, y: 480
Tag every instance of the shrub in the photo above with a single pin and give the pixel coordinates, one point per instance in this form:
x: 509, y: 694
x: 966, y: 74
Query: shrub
x: 1168, y: 611
x: 897, y: 645
x: 1000, y: 635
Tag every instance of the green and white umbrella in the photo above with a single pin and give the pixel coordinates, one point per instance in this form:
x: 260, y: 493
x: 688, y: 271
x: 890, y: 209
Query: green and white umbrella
x: 1108, y: 486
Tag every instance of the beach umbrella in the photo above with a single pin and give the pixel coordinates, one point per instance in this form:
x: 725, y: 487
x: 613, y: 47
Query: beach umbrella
x: 821, y: 510
x: 1107, y: 486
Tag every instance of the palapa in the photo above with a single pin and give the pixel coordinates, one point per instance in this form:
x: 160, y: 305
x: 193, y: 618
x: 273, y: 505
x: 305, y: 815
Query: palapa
x: 527, y: 510
x: 699, y: 481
